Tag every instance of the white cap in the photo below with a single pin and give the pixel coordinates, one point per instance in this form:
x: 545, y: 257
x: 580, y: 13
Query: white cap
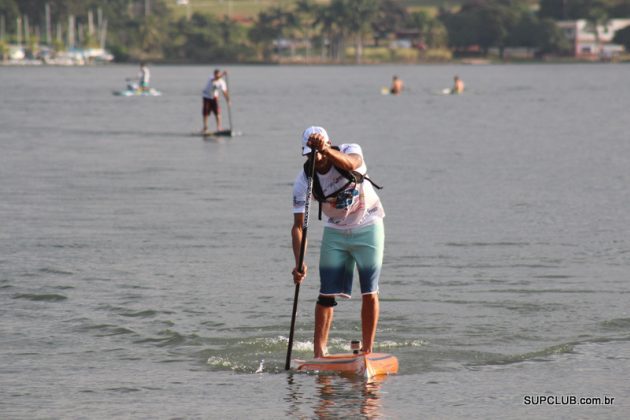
x: 307, y: 133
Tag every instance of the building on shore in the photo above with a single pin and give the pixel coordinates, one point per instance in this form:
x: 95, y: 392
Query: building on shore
x: 590, y: 42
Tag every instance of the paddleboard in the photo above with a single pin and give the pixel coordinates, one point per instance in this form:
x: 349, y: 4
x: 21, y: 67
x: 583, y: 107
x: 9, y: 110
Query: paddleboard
x: 128, y: 92
x: 450, y: 91
x: 221, y: 133
x: 361, y: 364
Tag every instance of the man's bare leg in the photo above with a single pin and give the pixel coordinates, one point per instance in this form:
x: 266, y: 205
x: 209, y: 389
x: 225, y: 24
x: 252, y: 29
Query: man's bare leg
x: 323, y: 322
x: 369, y: 320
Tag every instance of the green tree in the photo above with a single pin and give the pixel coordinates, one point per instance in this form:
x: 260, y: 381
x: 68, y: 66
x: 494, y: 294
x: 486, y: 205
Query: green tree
x: 10, y: 11
x: 550, y: 39
x: 150, y: 38
x: 582, y: 9
x: 305, y: 17
x: 206, y: 39
x: 332, y: 30
x: 541, y: 34
x: 198, y: 39
x: 596, y: 17
x: 619, y: 9
x: 431, y: 30
x: 269, y: 27
x: 356, y: 17
x: 622, y: 37
x: 462, y: 28
x: 484, y: 24
x: 523, y: 33
x: 496, y: 21
x: 554, y: 9
x: 391, y: 16
x: 233, y: 41
x: 291, y: 28
x: 437, y: 35
x: 4, y: 50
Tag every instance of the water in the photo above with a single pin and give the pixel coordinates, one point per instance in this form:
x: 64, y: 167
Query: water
x: 145, y: 272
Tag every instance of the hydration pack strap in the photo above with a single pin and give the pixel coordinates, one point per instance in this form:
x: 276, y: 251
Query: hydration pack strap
x: 352, y: 177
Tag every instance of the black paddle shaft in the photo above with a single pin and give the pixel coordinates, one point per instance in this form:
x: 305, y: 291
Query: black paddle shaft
x: 309, y: 191
x: 229, y: 107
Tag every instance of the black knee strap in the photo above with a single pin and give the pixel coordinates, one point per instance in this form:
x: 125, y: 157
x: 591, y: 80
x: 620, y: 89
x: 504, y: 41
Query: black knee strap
x: 327, y: 301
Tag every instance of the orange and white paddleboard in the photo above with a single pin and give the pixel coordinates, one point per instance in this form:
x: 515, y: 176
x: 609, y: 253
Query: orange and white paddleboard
x: 361, y: 364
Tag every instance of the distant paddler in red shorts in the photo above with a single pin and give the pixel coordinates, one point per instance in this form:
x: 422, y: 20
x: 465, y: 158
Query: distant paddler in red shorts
x: 354, y: 235
x: 215, y: 85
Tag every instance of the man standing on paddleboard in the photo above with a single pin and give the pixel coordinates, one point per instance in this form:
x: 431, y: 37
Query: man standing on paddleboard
x: 354, y: 235
x: 144, y: 75
x: 215, y: 85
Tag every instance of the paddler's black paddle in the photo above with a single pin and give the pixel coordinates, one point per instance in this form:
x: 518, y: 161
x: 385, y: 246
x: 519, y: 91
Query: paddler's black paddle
x: 228, y: 133
x: 309, y: 190
x: 229, y: 107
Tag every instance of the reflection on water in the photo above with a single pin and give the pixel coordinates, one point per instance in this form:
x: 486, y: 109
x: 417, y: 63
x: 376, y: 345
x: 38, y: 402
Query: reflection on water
x: 336, y: 397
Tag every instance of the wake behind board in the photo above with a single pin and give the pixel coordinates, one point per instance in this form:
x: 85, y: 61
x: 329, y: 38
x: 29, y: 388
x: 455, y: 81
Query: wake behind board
x: 361, y: 364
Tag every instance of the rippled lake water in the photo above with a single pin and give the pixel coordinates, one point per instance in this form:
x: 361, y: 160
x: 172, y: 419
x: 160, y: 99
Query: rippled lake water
x: 145, y: 271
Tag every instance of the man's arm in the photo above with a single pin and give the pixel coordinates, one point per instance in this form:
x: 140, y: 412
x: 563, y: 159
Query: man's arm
x: 297, y: 233
x: 349, y: 162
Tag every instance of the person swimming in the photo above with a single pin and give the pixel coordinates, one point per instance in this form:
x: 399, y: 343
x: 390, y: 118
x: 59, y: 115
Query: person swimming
x: 458, y: 86
x: 397, y: 86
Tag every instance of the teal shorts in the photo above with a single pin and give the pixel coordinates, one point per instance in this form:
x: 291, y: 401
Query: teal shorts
x: 344, y: 249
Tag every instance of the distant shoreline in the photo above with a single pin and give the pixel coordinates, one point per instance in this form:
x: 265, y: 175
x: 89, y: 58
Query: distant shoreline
x: 293, y: 62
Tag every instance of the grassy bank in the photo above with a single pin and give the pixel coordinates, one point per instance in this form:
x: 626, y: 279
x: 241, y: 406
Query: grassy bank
x: 247, y: 9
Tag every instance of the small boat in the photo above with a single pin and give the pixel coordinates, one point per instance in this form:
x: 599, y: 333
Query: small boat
x: 351, y: 364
